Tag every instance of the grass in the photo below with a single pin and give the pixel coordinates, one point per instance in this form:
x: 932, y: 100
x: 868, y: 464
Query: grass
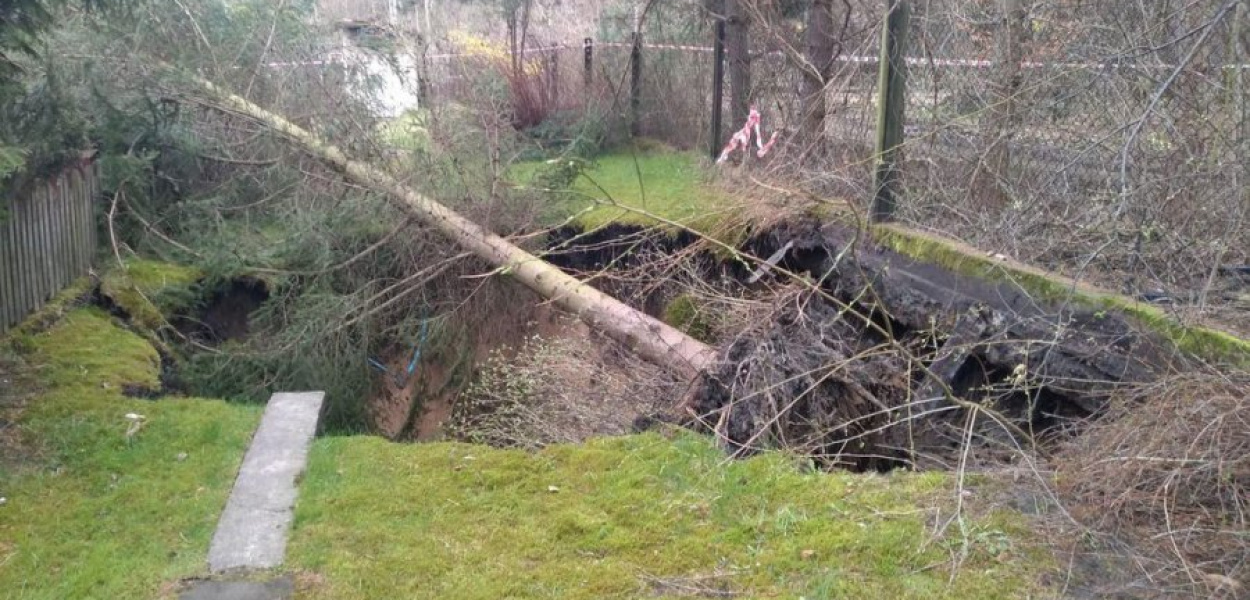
x: 52, y: 311
x: 150, y: 290
x: 685, y: 313
x: 92, y: 512
x: 408, y: 132
x: 625, y: 187
x: 634, y: 517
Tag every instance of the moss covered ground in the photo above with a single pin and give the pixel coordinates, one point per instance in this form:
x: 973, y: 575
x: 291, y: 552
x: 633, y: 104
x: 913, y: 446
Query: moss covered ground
x: 632, y: 186
x: 89, y: 511
x: 148, y: 290
x: 1216, y: 346
x: 643, y: 516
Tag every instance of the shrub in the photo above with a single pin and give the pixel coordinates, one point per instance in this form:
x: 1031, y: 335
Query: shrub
x: 560, y: 173
x: 1169, y: 468
x: 684, y: 313
x: 573, y: 133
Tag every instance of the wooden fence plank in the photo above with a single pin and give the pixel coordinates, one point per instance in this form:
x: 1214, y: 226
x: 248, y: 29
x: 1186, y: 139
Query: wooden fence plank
x: 64, y: 258
x: 71, y: 226
x: 47, y: 241
x: 86, y: 224
x: 50, y: 286
x: 80, y: 234
x: 91, y: 210
x: 26, y: 240
x: 28, y: 243
x: 41, y: 249
x: 62, y: 225
x: 7, y: 296
x: 56, y: 227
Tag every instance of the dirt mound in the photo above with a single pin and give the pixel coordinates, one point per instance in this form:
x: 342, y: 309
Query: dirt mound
x: 890, y: 361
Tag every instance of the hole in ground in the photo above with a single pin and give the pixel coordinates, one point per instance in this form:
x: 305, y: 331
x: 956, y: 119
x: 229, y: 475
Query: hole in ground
x: 225, y: 313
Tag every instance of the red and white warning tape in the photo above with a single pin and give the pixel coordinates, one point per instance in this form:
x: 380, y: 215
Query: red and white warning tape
x: 659, y: 46
x: 856, y: 59
x: 538, y: 50
x: 742, y: 139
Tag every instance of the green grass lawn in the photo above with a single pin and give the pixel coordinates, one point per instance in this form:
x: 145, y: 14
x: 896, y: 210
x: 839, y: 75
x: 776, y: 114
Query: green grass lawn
x: 663, y: 183
x: 634, y: 517
x: 89, y: 512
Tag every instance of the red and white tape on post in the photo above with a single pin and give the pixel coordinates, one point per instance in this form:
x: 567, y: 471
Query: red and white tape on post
x: 742, y: 138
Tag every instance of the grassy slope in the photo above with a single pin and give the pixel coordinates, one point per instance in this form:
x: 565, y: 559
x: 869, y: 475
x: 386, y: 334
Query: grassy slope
x: 446, y: 520
x: 148, y: 289
x: 92, y: 514
x: 671, y: 187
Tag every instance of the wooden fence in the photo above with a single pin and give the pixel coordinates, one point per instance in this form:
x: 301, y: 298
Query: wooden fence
x: 47, y: 239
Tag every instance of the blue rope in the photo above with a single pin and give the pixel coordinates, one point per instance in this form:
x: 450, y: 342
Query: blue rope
x: 412, y: 364
x: 416, y: 352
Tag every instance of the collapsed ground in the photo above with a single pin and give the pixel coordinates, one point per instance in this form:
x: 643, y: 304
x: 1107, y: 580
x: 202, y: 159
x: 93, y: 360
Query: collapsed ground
x: 704, y: 291
x: 238, y: 264
x: 661, y: 514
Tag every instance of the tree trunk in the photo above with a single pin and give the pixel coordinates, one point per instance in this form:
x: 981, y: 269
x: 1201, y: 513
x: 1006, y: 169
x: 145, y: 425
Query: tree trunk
x: 653, y: 340
x: 1009, y: 40
x: 738, y: 50
x: 819, y: 46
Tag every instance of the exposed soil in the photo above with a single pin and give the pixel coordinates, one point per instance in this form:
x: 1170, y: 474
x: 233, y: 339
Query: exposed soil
x: 842, y: 374
x: 896, y: 362
x: 845, y: 375
x: 416, y: 407
x: 226, y: 313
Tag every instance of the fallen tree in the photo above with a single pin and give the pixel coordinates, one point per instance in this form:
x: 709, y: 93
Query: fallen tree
x: 889, y: 343
x: 651, y: 338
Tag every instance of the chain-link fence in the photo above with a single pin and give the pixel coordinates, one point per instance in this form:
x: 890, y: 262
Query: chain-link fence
x: 1109, y: 145
x: 1116, y: 140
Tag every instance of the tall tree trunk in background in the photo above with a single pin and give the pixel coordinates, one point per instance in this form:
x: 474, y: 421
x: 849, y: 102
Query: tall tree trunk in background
x: 826, y: 23
x: 1009, y: 40
x: 514, y: 53
x: 652, y: 339
x: 738, y: 52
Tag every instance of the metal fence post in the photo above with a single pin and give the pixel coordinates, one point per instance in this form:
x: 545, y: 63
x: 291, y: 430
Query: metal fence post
x: 718, y: 85
x: 635, y: 84
x: 891, y: 102
x: 588, y: 61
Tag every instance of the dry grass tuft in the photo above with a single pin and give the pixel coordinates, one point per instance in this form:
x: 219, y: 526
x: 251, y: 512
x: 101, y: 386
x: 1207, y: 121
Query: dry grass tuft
x: 1168, y: 469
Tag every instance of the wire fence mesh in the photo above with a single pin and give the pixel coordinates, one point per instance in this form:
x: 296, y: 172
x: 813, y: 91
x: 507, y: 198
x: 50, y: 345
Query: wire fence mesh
x: 1111, y: 146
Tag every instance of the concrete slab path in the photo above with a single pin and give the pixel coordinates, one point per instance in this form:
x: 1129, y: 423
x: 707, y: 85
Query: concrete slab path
x: 278, y: 589
x: 252, y: 532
